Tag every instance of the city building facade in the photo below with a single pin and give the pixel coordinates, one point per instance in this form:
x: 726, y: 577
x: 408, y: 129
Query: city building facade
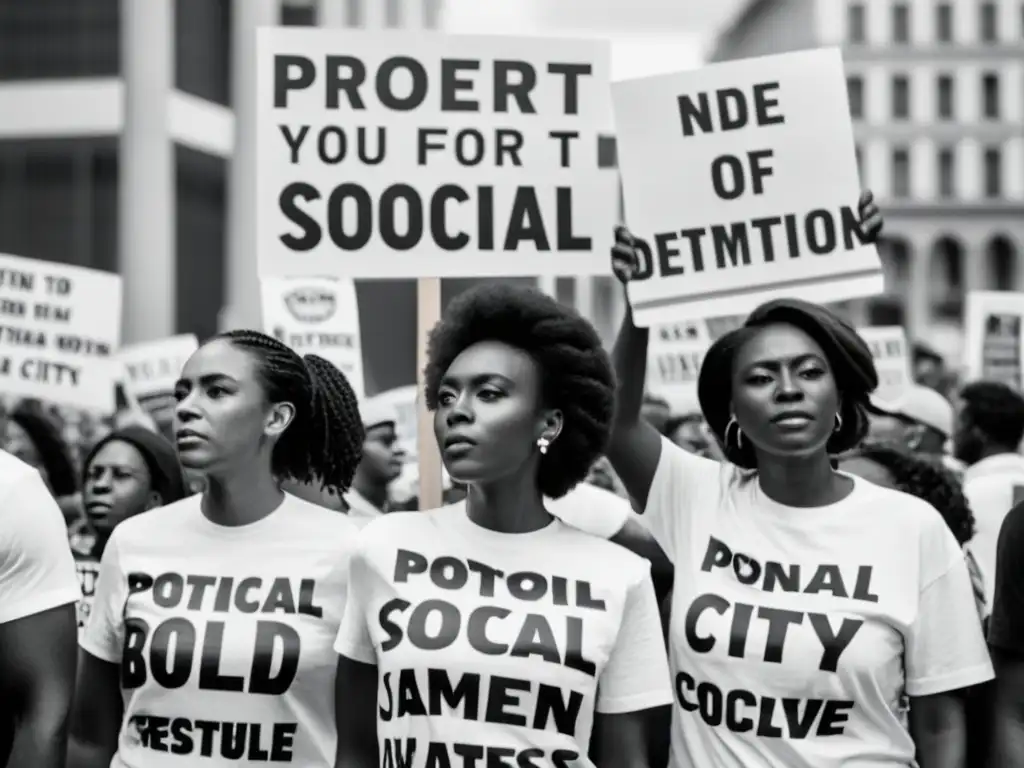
x: 936, y: 91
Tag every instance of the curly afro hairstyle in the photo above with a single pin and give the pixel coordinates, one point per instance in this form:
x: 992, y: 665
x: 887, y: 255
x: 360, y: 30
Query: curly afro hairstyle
x: 926, y: 479
x: 577, y: 373
x: 847, y: 354
x: 324, y: 442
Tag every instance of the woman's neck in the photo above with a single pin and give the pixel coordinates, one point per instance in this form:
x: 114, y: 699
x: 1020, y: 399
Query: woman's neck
x: 510, y: 505
x: 375, y: 493
x: 806, y: 481
x: 240, y: 499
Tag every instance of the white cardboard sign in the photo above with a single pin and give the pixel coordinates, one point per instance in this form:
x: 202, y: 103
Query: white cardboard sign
x: 994, y: 343
x: 409, y: 154
x: 742, y: 178
x: 675, y: 352
x: 61, y: 324
x: 152, y: 368
x: 318, y: 315
x: 888, y: 346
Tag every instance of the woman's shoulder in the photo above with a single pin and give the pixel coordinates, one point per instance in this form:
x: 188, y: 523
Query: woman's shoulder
x: 895, y: 508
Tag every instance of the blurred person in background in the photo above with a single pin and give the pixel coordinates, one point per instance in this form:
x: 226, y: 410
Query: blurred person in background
x: 602, y: 475
x: 256, y: 579
x: 33, y: 437
x: 987, y: 436
x: 657, y: 410
x: 921, y: 420
x: 690, y: 432
x: 128, y: 472
x: 928, y: 367
x: 382, y: 462
x: 38, y: 594
x: 1006, y: 643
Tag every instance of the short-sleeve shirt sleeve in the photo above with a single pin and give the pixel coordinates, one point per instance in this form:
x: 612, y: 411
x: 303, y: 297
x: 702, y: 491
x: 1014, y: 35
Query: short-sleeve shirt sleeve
x: 104, y: 634
x: 37, y: 568
x: 636, y: 676
x: 945, y: 648
x: 1006, y: 622
x: 354, y: 639
x: 680, y: 485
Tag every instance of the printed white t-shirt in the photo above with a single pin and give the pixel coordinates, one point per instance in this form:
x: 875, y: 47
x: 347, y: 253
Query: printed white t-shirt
x: 592, y: 510
x: 498, y: 648
x: 37, y: 569
x: 796, y: 632
x: 224, y: 635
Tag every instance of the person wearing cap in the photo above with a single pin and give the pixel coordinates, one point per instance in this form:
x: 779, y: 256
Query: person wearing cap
x: 381, y: 464
x: 921, y: 420
x: 130, y: 471
x: 987, y: 436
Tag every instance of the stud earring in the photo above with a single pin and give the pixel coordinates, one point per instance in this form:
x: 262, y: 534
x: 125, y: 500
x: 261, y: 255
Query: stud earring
x: 542, y: 444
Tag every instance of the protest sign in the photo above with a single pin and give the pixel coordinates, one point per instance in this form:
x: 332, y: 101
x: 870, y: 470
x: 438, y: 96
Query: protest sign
x: 675, y: 352
x: 888, y: 346
x: 994, y: 344
x: 152, y: 368
x: 317, y: 315
x: 408, y: 154
x: 742, y: 180
x: 61, y: 324
x: 150, y: 371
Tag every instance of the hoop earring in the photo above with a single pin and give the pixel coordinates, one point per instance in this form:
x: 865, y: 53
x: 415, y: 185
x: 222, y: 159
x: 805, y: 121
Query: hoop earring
x: 739, y: 433
x: 839, y: 423
x: 542, y: 444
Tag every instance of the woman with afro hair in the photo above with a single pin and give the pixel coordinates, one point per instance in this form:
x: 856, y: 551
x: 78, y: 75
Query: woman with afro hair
x: 496, y: 631
x: 209, y: 639
x: 806, y: 602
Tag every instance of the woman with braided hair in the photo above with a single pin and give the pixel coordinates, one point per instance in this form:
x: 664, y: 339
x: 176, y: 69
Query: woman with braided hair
x: 210, y: 637
x: 489, y: 631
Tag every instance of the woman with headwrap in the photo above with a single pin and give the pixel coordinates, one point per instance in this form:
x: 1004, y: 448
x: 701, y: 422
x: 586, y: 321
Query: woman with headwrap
x: 796, y: 627
x: 128, y: 472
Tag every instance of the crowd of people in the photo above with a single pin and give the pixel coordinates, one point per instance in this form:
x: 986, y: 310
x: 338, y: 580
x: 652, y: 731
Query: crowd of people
x: 793, y: 575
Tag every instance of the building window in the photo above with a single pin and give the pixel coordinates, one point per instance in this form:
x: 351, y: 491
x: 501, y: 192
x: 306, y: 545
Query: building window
x: 945, y: 97
x: 944, y: 23
x: 900, y: 97
x: 990, y: 96
x: 298, y: 14
x: 901, y: 172
x: 392, y: 14
x: 901, y: 23
x: 993, y: 172
x: 855, y: 92
x: 988, y: 23
x: 947, y: 172
x: 856, y: 23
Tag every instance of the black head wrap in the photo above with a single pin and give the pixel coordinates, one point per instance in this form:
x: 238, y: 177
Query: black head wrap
x: 848, y: 355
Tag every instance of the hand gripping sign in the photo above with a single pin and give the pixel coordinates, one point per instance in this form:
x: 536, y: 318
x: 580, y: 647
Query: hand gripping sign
x: 742, y: 179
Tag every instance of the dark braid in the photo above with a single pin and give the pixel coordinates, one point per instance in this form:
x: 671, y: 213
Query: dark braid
x: 324, y: 442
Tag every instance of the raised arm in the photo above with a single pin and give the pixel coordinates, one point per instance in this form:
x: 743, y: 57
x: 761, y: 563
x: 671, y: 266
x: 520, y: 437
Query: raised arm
x: 635, y: 447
